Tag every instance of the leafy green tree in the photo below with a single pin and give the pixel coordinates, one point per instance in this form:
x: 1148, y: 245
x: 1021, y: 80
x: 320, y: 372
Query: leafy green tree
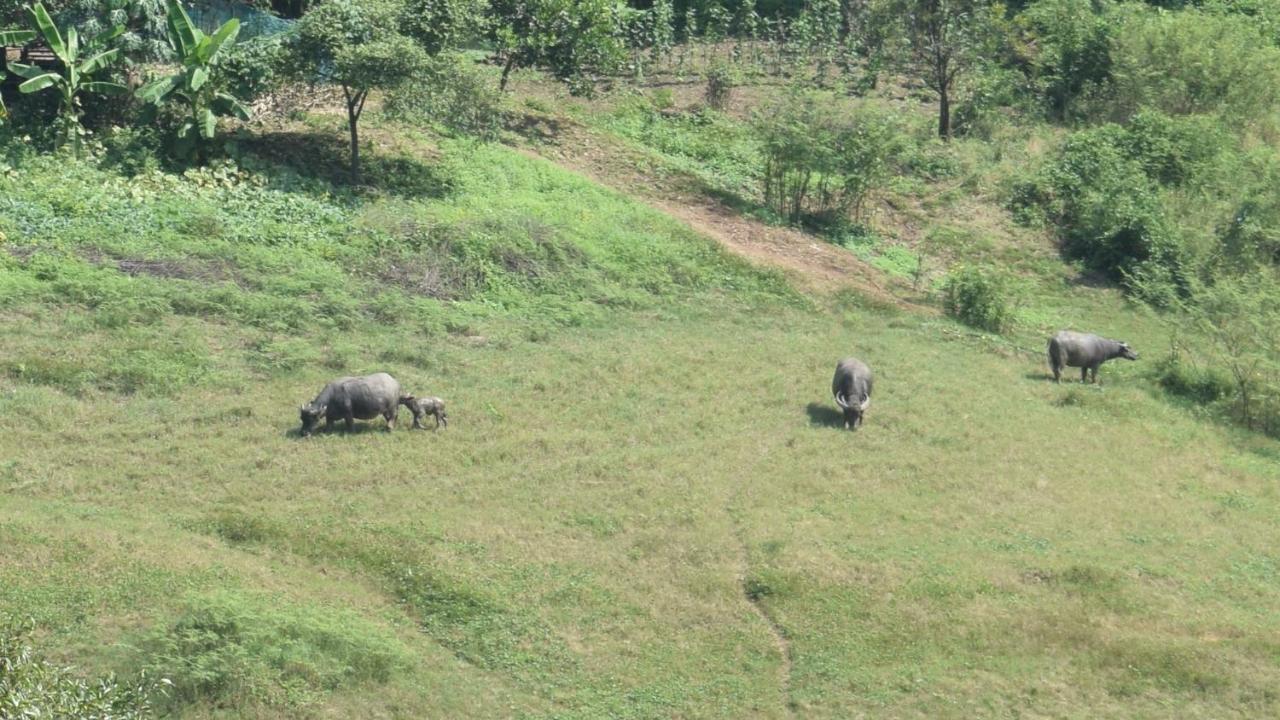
x: 1240, y: 314
x: 570, y: 38
x: 195, y: 86
x: 868, y: 27
x: 635, y: 29
x: 359, y: 45
x: 1071, y: 56
x: 945, y: 38
x: 440, y: 25
x: 817, y: 31
x: 664, y: 30
x: 75, y: 76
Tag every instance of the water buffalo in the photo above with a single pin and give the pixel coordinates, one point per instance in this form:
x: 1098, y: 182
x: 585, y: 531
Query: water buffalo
x: 351, y: 399
x: 421, y: 407
x: 851, y: 387
x: 1085, y: 351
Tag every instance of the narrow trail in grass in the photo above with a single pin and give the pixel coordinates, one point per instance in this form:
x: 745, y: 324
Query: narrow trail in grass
x: 815, y: 263
x: 752, y: 595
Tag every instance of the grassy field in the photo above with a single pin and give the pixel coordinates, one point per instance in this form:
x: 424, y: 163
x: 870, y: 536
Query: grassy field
x: 644, y: 505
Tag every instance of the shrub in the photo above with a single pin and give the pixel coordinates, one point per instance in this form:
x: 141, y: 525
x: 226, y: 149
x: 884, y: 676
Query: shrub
x: 1072, y: 57
x: 252, y: 68
x: 132, y: 150
x: 1199, y: 384
x: 453, y: 93
x: 721, y: 78
x: 230, y: 649
x: 821, y: 162
x: 33, y: 688
x: 1106, y: 207
x: 1189, y: 62
x: 981, y: 297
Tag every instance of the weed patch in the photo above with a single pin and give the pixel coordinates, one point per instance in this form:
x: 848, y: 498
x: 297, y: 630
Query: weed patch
x: 230, y: 648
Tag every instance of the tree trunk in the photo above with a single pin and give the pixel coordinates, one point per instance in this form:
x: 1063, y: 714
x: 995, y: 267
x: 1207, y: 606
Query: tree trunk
x: 506, y: 72
x: 944, y: 112
x: 355, y: 104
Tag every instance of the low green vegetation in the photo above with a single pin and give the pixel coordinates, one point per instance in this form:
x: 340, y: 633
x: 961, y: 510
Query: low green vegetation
x: 645, y: 504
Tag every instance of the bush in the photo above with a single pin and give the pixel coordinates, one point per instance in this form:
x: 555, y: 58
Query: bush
x: 981, y: 297
x: 1071, y: 62
x: 455, y: 94
x: 1190, y: 62
x: 1106, y: 207
x: 229, y: 649
x: 33, y: 688
x: 252, y: 68
x: 721, y: 78
x: 1199, y: 384
x: 823, y: 163
x: 132, y: 151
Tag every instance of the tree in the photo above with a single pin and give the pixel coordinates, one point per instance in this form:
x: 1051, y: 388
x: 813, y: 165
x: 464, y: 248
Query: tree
x: 73, y: 78
x: 945, y: 38
x: 571, y: 38
x: 1071, y: 51
x: 440, y: 25
x: 359, y: 45
x: 194, y: 85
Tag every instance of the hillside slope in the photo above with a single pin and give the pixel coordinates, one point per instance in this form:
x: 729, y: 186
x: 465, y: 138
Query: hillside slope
x: 643, y: 506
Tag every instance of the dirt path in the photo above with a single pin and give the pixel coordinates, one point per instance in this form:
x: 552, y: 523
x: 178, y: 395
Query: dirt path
x: 813, y: 263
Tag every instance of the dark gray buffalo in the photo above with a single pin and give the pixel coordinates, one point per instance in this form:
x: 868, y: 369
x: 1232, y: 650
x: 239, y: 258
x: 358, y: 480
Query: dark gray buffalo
x: 351, y: 399
x: 852, y: 390
x: 1085, y: 351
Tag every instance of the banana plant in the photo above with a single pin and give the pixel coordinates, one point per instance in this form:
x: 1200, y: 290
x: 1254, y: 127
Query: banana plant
x: 7, y: 38
x: 191, y: 86
x: 74, y: 77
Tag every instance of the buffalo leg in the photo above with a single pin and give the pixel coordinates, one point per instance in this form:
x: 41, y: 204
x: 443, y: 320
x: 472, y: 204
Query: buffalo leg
x: 391, y: 420
x: 1084, y: 374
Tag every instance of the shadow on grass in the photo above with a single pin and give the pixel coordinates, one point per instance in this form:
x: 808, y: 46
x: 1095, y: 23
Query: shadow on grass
x: 535, y: 127
x: 1044, y: 376
x: 1068, y: 378
x: 338, y: 428
x: 824, y: 416
x: 327, y: 157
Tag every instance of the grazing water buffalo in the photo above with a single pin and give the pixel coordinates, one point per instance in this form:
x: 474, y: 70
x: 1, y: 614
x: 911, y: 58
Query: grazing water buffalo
x: 351, y: 399
x: 852, y: 389
x: 1085, y: 351
x: 421, y: 407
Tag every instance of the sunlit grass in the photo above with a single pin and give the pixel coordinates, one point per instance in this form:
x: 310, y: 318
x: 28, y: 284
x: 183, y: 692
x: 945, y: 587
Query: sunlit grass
x: 572, y: 540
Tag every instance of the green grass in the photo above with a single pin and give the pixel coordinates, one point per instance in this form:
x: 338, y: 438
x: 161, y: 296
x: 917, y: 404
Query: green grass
x: 643, y: 499
x: 721, y: 152
x: 573, y: 542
